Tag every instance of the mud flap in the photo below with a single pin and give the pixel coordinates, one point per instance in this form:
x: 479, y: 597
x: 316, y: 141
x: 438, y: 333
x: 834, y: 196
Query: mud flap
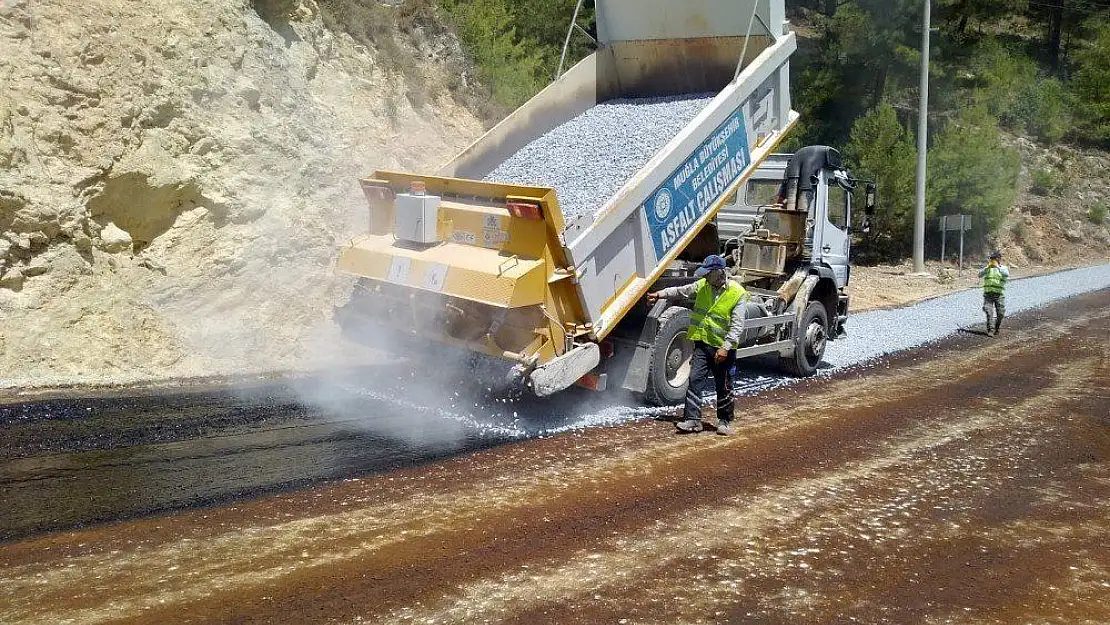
x: 634, y: 375
x: 563, y: 371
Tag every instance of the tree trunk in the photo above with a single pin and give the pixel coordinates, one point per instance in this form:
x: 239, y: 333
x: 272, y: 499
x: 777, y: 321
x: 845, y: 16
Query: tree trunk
x: 963, y: 10
x: 1055, y: 26
x: 879, y: 86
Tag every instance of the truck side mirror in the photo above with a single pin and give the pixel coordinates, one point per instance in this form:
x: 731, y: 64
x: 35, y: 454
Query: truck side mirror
x: 870, y: 197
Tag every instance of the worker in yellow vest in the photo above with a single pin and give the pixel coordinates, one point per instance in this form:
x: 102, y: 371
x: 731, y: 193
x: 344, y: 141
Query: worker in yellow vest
x: 994, y: 276
x: 716, y: 324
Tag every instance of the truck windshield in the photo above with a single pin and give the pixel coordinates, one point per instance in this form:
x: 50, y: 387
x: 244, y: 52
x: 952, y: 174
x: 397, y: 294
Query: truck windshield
x: 761, y: 192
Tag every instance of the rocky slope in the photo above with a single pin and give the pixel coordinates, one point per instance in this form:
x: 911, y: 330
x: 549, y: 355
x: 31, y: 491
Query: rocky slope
x: 174, y: 178
x: 1059, y: 218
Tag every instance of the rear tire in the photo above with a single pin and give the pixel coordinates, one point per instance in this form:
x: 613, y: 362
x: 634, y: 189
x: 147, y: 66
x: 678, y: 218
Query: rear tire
x: 809, y: 346
x: 669, y: 371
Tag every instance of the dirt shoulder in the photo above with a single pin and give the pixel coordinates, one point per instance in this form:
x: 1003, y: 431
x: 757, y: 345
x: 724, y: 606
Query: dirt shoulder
x: 891, y: 286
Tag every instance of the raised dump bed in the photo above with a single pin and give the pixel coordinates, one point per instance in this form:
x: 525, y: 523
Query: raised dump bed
x: 535, y: 241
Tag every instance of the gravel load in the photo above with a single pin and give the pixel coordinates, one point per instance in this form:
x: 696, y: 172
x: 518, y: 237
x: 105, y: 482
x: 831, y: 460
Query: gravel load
x: 589, y: 158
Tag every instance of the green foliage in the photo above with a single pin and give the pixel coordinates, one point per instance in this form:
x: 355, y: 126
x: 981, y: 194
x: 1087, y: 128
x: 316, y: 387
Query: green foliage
x: 957, y: 15
x: 1016, y: 92
x: 543, y: 25
x: 1043, y: 109
x: 509, y: 68
x: 1046, y: 182
x: 515, y: 46
x: 1096, y: 214
x: 882, y: 150
x: 1092, y: 82
x: 865, y: 50
x: 971, y: 172
x: 992, y: 68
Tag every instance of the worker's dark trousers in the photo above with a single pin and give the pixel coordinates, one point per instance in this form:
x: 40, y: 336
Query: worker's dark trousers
x: 994, y: 304
x: 702, y: 365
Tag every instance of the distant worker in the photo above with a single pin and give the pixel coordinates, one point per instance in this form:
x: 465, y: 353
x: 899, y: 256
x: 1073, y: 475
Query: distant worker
x: 716, y: 324
x: 994, y: 276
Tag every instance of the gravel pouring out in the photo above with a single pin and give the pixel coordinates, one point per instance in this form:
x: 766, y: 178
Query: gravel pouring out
x: 589, y: 158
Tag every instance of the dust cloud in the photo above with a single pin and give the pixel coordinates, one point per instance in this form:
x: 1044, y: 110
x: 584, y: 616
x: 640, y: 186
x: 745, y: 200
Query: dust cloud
x: 429, y: 394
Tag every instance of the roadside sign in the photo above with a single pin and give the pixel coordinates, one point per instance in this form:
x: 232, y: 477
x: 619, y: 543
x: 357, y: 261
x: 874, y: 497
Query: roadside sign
x: 959, y: 223
x: 954, y: 222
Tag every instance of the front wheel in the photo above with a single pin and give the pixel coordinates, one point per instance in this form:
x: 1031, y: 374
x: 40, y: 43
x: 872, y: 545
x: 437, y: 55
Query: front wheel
x: 810, y: 341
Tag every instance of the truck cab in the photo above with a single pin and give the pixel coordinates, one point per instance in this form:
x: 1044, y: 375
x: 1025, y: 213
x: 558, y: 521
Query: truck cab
x: 786, y: 237
x: 759, y: 218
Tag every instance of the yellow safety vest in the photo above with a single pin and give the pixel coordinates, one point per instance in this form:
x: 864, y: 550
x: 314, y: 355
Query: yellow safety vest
x: 711, y: 318
x: 994, y: 281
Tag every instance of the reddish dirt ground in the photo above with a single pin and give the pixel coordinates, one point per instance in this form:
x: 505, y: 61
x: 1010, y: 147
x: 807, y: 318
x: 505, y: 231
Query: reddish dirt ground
x: 965, y: 483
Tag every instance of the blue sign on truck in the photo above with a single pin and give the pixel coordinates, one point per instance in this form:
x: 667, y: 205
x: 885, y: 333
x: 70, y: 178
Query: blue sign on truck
x: 694, y: 186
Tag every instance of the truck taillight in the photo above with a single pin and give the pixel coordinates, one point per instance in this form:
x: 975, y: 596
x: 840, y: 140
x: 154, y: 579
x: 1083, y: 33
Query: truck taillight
x: 525, y: 210
x: 593, y: 381
x: 607, y: 349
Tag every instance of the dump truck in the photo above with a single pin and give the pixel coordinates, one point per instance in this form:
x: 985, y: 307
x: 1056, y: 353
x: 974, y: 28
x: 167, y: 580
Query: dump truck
x: 496, y: 267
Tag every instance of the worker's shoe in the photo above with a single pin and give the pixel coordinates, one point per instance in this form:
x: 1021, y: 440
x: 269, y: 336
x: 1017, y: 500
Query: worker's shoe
x: 724, y: 428
x: 689, y: 426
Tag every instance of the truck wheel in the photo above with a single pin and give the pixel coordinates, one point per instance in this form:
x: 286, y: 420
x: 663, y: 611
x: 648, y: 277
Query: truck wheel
x: 809, y: 348
x: 669, y: 372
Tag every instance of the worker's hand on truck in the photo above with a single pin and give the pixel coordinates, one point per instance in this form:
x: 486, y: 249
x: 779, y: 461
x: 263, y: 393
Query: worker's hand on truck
x: 721, y: 354
x: 652, y: 297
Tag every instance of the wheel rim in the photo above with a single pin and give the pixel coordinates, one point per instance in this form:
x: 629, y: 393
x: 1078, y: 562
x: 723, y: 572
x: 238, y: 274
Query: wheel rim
x: 815, y: 342
x: 679, y: 352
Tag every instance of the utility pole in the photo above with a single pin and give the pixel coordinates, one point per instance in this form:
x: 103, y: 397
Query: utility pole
x: 922, y: 140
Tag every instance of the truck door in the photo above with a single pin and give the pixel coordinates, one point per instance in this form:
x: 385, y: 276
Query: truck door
x: 834, y: 227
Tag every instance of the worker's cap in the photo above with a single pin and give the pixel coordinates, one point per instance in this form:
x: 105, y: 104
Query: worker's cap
x: 710, y: 263
x: 996, y: 254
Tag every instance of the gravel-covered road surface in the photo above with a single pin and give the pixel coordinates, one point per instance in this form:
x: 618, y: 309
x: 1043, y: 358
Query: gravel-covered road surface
x: 965, y: 482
